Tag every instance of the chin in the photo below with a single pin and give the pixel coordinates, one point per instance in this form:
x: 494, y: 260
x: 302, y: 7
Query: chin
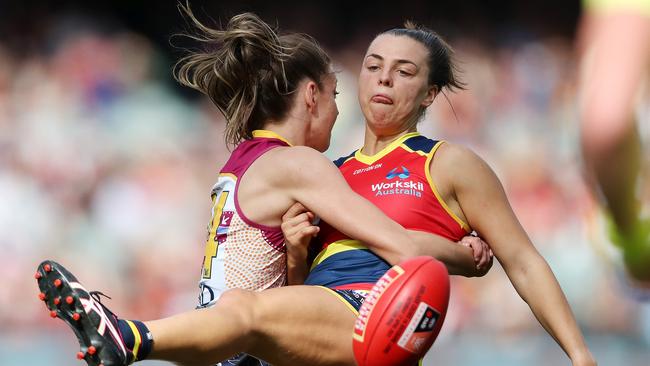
x: 381, y: 123
x: 380, y: 117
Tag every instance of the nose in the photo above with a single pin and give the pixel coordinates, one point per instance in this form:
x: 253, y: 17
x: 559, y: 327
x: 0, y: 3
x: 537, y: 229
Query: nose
x: 385, y: 78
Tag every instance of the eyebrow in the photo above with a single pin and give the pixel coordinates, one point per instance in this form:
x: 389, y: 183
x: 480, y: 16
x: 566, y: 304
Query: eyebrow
x: 400, y: 61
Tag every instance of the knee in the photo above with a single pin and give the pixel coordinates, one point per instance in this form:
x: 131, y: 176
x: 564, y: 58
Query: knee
x: 238, y: 305
x: 604, y: 127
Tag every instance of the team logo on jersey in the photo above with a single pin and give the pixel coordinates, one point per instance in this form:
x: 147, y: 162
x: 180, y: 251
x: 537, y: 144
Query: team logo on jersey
x: 400, y: 174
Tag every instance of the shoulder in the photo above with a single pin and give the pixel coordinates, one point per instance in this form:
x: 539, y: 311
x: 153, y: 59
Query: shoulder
x: 298, y: 161
x: 340, y: 161
x: 454, y: 155
x: 420, y: 143
x: 462, y: 166
x: 294, y: 156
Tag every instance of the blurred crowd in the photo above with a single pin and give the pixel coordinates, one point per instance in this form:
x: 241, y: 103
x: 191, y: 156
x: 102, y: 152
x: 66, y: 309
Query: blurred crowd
x: 107, y: 167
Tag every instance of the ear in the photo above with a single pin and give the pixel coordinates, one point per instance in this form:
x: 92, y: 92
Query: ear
x: 311, y: 92
x: 431, y: 95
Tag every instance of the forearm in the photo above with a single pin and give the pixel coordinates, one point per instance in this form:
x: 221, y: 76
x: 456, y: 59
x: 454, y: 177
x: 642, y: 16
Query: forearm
x: 487, y: 210
x: 457, y: 258
x: 538, y: 287
x: 297, y: 268
x: 459, y: 261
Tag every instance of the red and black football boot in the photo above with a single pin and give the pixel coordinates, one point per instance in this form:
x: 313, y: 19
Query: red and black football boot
x: 94, y: 325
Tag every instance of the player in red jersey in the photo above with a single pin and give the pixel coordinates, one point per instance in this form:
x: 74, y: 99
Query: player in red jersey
x: 428, y: 185
x: 277, y: 93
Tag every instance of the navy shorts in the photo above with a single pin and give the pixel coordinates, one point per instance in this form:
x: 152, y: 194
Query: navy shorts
x: 243, y: 359
x: 353, y: 297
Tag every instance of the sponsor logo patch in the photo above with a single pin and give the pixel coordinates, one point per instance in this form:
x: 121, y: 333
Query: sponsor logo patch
x: 401, y: 174
x: 367, y: 169
x: 419, y: 329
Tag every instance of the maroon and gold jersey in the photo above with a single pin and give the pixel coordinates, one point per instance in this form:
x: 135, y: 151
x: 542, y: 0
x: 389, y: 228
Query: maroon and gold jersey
x: 240, y: 253
x: 398, y: 181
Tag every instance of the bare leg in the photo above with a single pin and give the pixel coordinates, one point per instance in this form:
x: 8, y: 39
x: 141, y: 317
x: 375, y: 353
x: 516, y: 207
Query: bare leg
x: 616, y: 168
x: 295, y: 325
x: 616, y: 58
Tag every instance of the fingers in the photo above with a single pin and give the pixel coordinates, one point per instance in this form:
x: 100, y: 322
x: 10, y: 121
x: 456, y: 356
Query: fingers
x: 295, y: 224
x: 480, y: 249
x: 485, y: 255
x: 304, y: 217
x: 480, y: 262
x: 488, y: 255
x: 310, y: 231
x: 295, y: 210
x: 475, y: 244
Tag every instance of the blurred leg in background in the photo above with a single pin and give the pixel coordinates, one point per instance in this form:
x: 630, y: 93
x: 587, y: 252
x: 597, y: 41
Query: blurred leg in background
x: 615, y: 55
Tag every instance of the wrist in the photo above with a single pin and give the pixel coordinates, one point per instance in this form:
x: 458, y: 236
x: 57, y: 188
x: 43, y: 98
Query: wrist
x: 296, y: 252
x: 296, y: 256
x: 583, y: 358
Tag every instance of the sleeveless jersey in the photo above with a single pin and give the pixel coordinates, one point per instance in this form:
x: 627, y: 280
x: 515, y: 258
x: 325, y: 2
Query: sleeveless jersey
x: 240, y: 253
x: 398, y: 181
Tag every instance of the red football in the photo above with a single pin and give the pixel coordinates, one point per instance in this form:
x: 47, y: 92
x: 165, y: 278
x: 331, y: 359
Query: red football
x: 402, y: 315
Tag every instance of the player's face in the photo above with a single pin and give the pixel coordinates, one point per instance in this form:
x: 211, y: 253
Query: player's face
x: 393, y: 83
x: 321, y: 129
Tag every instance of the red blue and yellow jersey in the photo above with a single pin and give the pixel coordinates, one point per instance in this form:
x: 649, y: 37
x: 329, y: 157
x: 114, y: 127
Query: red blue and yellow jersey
x: 398, y: 181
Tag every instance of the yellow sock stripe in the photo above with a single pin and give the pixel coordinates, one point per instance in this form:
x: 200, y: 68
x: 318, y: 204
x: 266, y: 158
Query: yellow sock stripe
x: 138, y: 339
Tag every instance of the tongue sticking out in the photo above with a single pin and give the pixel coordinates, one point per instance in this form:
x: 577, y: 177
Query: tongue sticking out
x: 381, y: 99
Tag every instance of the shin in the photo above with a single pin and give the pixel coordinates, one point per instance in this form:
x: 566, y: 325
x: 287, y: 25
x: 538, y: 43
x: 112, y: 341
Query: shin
x: 207, y: 336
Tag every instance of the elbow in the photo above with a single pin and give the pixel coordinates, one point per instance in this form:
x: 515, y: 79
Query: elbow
x: 398, y: 256
x: 409, y: 248
x: 465, y: 272
x: 409, y: 251
x: 480, y: 272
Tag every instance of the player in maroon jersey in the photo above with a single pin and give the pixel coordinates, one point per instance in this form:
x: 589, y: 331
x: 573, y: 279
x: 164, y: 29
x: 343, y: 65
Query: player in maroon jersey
x: 428, y: 185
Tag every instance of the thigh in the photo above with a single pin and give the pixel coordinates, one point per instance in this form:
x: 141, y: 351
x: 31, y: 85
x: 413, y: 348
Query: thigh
x: 614, y: 65
x: 302, y: 325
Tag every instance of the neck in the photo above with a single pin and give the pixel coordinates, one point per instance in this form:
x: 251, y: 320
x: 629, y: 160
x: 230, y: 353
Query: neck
x: 293, y: 130
x: 375, y: 141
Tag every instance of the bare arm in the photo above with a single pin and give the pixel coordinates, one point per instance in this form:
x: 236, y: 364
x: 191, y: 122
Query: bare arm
x: 459, y: 265
x: 298, y: 231
x: 315, y: 182
x: 487, y: 210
